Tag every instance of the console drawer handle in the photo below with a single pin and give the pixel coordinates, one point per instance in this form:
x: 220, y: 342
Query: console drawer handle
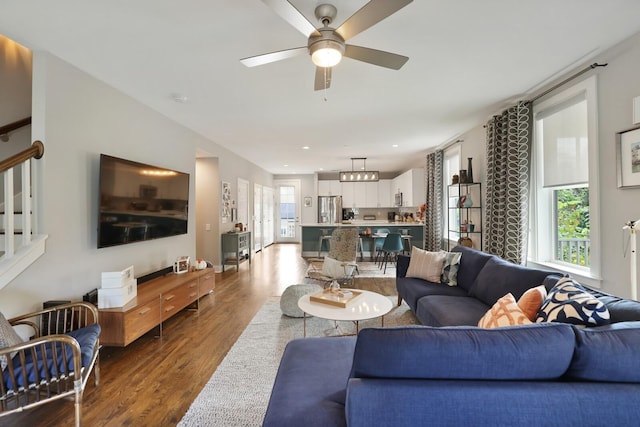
x: 193, y: 294
x: 169, y: 297
x: 144, y: 311
x: 169, y: 308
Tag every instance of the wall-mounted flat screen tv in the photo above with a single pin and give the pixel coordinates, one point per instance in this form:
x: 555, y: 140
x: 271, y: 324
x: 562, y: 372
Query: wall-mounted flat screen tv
x: 140, y: 202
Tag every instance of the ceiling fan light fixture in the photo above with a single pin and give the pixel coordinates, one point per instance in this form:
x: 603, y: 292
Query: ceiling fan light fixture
x: 326, y: 53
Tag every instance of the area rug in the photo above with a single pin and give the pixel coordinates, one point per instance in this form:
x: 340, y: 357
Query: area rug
x: 238, y: 392
x: 365, y: 268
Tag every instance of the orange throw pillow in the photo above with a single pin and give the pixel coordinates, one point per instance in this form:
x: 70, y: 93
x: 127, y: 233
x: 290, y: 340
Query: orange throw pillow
x: 505, y: 312
x: 531, y: 301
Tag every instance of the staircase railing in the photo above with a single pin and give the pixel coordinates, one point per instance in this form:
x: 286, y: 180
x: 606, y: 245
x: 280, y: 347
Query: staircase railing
x: 22, y: 159
x: 4, y: 130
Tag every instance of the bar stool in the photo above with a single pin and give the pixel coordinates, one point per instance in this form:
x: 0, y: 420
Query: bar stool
x: 325, y: 236
x: 406, y: 240
x: 391, y: 247
x: 378, y: 241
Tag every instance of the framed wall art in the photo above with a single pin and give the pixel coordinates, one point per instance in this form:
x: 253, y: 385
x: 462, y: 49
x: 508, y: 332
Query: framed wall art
x: 226, y: 201
x: 307, y: 202
x: 628, y: 157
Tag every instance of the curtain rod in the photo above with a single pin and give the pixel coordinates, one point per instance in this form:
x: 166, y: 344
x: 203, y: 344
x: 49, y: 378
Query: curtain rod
x: 568, y: 79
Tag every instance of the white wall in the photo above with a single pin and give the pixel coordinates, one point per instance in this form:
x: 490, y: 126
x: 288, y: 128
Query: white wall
x: 618, y: 84
x: 79, y: 117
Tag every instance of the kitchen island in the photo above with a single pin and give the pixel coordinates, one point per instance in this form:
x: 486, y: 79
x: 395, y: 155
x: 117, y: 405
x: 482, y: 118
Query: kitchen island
x: 311, y: 234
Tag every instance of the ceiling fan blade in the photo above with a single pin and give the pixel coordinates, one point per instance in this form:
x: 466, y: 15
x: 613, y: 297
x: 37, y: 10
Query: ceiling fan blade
x: 369, y: 15
x: 292, y: 15
x: 323, y: 78
x: 375, y: 57
x: 267, y: 58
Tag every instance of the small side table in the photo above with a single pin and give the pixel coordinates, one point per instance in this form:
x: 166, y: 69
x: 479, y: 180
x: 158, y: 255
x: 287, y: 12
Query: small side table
x: 236, y: 244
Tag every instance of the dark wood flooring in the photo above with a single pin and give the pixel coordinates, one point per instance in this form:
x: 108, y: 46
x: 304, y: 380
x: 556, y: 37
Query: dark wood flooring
x: 152, y: 382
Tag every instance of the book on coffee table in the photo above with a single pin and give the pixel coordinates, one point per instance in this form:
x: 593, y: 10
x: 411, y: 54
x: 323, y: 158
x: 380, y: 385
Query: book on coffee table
x: 336, y: 298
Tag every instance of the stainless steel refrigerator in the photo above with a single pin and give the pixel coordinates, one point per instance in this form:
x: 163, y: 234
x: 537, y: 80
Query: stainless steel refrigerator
x: 329, y: 209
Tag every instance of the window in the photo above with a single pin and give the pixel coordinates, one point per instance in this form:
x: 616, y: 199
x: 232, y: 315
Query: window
x: 564, y: 228
x: 450, y: 167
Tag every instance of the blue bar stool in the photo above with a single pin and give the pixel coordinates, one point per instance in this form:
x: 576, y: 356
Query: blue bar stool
x: 392, y: 246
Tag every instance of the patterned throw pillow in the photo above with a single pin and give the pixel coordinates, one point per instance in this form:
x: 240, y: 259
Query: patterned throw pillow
x: 569, y: 302
x: 450, y: 268
x: 505, y: 312
x: 426, y: 265
x: 8, y: 338
x: 531, y: 301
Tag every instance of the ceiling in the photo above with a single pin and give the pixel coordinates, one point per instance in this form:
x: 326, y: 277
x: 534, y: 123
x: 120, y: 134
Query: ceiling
x: 468, y: 59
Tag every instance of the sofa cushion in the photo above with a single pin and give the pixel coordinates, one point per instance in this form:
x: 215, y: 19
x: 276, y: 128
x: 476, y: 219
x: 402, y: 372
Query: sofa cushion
x: 471, y: 263
x: 608, y: 353
x: 450, y: 268
x: 420, y: 352
x: 531, y: 301
x: 444, y: 310
x: 310, y: 385
x: 570, y: 302
x: 412, y: 290
x: 620, y: 309
x: 86, y: 337
x: 505, y: 312
x: 499, y: 277
x: 426, y: 265
x: 8, y: 338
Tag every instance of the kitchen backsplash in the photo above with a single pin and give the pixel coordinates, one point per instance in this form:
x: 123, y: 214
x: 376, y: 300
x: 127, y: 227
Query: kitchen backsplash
x: 381, y: 213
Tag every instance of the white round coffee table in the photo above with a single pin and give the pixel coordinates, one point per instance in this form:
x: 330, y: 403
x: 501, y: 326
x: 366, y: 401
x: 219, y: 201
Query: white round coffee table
x: 368, y: 305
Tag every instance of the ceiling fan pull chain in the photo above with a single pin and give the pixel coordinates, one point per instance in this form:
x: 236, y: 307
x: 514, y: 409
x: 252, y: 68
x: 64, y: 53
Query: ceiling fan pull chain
x: 325, y: 84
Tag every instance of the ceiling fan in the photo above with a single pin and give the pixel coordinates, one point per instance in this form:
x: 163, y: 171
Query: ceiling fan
x: 326, y: 45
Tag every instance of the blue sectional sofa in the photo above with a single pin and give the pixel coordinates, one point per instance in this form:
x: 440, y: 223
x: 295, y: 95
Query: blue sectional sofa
x: 454, y: 373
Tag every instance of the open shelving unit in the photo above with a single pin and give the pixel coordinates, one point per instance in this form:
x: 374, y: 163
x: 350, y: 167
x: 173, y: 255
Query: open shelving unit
x: 464, y: 219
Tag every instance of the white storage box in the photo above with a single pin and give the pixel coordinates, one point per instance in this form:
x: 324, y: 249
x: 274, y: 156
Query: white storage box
x: 117, y: 279
x: 117, y: 297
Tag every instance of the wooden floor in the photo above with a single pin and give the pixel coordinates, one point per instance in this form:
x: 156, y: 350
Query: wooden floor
x: 153, y: 381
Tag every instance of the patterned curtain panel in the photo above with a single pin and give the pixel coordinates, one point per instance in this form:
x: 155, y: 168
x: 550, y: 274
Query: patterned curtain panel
x: 508, y: 162
x: 433, y: 213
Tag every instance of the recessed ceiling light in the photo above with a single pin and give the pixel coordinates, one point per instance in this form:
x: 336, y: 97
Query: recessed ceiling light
x: 395, y: 145
x: 286, y: 166
x: 178, y: 97
x: 306, y: 147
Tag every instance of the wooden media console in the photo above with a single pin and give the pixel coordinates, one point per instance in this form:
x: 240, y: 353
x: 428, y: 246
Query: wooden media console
x: 157, y: 300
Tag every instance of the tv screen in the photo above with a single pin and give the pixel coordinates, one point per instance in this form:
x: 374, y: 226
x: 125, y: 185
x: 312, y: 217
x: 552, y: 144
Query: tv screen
x: 140, y: 202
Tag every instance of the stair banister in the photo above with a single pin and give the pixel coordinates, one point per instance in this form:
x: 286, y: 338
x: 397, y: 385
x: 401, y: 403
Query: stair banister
x: 7, y: 165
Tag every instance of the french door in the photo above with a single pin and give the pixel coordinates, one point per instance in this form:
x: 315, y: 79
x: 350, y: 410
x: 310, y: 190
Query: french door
x: 288, y: 210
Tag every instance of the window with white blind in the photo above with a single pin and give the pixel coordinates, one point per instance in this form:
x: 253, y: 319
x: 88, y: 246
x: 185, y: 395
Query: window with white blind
x: 564, y: 227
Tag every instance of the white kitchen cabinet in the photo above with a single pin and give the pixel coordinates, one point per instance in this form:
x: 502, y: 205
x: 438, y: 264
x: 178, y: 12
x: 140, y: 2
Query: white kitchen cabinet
x: 329, y: 188
x: 411, y: 185
x: 348, y: 195
x: 384, y: 194
x: 370, y: 194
